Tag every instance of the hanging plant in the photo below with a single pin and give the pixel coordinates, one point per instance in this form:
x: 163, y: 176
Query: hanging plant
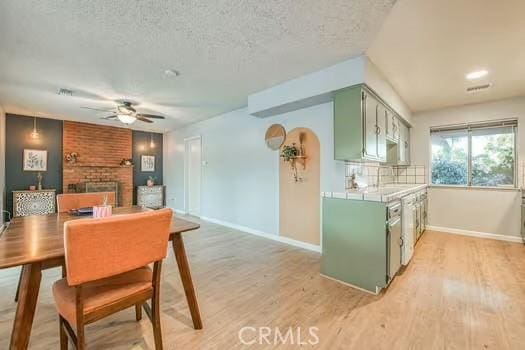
x: 289, y: 153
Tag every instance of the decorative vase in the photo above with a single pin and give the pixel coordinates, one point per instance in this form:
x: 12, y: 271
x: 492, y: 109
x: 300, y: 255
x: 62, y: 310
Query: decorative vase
x: 150, y: 183
x: 102, y: 211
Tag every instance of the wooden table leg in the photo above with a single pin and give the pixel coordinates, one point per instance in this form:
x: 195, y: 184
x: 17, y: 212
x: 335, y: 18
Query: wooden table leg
x: 185, y: 274
x: 25, y: 310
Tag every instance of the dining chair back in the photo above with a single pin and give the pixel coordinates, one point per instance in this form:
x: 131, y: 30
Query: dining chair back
x: 69, y: 201
x: 106, y: 270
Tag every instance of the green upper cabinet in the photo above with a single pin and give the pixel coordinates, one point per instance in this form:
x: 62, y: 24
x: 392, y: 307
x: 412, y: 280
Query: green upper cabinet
x: 365, y: 127
x: 372, y: 129
x: 403, y: 146
x: 392, y: 125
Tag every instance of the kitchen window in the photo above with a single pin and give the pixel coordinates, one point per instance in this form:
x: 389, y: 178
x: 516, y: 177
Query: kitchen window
x: 476, y: 155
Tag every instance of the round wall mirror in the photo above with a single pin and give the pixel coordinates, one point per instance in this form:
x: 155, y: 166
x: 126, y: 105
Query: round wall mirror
x: 275, y: 136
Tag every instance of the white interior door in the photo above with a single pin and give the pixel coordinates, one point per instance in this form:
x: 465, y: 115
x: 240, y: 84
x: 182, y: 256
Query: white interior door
x: 193, y: 176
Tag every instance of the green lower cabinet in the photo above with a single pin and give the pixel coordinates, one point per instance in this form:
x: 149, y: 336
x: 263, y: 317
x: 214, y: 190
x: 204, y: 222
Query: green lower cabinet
x: 355, y: 243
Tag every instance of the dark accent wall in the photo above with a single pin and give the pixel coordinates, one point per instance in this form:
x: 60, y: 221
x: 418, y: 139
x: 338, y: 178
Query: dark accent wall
x: 18, y: 131
x: 141, y: 146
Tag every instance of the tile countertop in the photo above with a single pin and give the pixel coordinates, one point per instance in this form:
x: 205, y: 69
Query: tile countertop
x: 385, y: 194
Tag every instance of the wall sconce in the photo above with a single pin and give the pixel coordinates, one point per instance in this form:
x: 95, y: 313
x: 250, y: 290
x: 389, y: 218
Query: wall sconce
x: 34, y: 134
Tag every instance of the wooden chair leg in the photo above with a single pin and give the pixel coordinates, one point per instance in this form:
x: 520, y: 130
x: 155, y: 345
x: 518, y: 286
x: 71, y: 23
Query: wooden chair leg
x: 18, y: 287
x: 155, y: 321
x: 155, y: 306
x: 138, y: 312
x: 63, y: 335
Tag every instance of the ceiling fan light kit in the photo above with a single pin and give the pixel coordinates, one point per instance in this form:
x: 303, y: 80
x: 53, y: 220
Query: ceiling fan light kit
x: 125, y: 113
x: 126, y: 118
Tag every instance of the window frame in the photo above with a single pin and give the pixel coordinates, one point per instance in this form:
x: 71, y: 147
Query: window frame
x: 469, y: 127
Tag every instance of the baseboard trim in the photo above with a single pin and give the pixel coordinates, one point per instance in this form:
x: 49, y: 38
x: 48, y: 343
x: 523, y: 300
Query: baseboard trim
x: 281, y: 239
x: 351, y: 285
x: 181, y: 212
x: 475, y: 234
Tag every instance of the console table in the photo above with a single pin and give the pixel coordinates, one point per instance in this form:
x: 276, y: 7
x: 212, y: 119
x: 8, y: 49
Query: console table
x: 150, y: 196
x: 37, y: 202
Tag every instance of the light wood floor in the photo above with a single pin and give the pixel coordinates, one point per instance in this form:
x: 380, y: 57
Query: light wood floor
x: 458, y: 293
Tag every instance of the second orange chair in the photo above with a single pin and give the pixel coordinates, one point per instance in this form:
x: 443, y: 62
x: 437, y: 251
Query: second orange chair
x: 69, y: 201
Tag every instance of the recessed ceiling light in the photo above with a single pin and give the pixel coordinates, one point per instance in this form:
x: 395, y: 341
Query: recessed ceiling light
x: 171, y: 73
x: 477, y: 74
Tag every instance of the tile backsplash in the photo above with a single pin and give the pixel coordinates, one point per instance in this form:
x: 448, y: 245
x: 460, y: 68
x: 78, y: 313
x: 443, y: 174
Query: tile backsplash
x: 414, y: 174
x: 367, y: 174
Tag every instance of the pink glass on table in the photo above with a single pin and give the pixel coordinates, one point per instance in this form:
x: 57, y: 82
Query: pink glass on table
x: 102, y: 211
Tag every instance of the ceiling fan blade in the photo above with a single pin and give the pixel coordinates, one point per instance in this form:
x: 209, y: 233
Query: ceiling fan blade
x: 109, y: 117
x: 152, y: 116
x: 98, y: 109
x: 143, y: 119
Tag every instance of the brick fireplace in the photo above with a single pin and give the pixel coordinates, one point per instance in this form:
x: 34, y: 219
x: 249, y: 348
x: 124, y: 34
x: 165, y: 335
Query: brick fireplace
x: 100, y: 150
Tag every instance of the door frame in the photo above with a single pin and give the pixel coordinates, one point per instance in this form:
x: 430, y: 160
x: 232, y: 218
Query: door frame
x: 186, y: 176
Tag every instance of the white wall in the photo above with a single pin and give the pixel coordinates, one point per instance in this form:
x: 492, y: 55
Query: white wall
x: 240, y: 181
x: 487, y: 211
x: 2, y: 163
x: 299, y: 91
x: 318, y: 87
x: 375, y: 79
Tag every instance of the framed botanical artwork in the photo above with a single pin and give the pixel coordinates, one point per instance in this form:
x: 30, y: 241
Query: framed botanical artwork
x: 35, y: 160
x: 147, y: 163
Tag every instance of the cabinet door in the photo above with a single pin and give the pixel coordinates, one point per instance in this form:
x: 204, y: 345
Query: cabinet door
x: 389, y: 124
x: 370, y: 126
x: 394, y: 247
x: 425, y: 213
x: 404, y: 145
x: 381, y: 131
x: 394, y: 122
x: 523, y: 221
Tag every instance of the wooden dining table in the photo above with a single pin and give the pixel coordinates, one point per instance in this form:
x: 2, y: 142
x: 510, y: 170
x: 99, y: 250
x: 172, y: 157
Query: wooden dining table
x: 36, y: 243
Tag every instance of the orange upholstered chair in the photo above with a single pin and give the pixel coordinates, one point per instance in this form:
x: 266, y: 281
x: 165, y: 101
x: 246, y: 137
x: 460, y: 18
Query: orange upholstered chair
x: 107, y: 270
x: 68, y: 201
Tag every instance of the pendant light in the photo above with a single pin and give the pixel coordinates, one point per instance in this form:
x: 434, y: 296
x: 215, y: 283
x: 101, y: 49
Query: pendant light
x: 34, y: 134
x: 151, y: 143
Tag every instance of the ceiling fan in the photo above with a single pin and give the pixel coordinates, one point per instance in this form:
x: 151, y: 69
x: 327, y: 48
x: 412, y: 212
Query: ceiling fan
x: 125, y: 113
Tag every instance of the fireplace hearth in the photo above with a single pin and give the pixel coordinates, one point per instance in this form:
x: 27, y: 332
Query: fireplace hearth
x: 101, y: 186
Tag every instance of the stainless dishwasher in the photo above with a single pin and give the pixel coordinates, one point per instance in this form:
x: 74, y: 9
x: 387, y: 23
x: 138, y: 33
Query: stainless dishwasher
x: 394, y: 240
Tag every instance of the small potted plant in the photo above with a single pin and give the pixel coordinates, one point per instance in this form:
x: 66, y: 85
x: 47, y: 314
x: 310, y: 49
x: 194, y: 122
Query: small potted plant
x: 289, y: 153
x: 151, y: 181
x: 126, y: 162
x: 72, y: 158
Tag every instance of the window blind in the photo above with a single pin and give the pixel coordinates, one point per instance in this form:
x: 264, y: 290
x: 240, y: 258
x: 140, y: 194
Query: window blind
x: 471, y: 126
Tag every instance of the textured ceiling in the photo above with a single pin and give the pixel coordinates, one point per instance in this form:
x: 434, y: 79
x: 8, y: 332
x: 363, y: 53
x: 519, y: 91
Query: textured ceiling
x: 426, y: 47
x: 225, y: 50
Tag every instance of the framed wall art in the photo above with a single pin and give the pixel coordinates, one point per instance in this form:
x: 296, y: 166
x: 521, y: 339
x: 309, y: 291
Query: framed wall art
x: 35, y: 160
x: 147, y: 163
